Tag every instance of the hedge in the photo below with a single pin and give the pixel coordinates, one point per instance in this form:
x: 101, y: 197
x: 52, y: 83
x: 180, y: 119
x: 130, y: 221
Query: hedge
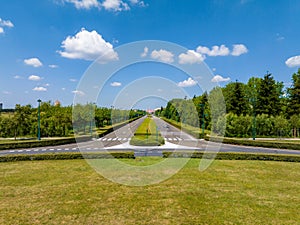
x: 66, y: 156
x: 59, y: 141
x: 256, y: 143
x: 233, y: 156
x: 195, y: 132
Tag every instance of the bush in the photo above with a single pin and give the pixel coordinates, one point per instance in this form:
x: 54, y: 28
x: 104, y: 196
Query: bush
x: 67, y: 156
x: 257, y: 143
x: 233, y: 156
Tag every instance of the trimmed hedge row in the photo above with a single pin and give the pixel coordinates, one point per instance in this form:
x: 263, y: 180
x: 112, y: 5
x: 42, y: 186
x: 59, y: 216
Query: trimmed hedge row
x: 233, y: 156
x: 42, y: 143
x: 67, y: 156
x: 256, y: 143
x: 59, y: 141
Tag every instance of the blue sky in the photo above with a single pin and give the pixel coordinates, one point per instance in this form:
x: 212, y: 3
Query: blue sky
x: 47, y: 45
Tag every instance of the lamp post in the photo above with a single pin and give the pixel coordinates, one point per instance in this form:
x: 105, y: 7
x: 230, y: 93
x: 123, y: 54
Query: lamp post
x: 39, y: 119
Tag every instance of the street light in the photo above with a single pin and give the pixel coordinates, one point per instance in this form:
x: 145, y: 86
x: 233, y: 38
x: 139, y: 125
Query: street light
x: 39, y: 119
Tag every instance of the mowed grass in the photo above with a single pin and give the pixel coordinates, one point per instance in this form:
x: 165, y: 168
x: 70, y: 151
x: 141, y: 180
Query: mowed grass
x: 229, y: 192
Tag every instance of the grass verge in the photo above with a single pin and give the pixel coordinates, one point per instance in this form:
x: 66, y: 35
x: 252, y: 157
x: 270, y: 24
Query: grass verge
x: 228, y: 192
x: 147, y: 134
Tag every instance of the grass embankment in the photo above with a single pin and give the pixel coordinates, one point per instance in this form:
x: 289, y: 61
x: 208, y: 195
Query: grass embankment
x: 228, y: 192
x: 147, y: 134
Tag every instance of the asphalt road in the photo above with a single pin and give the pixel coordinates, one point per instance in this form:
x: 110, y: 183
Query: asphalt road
x: 175, y: 140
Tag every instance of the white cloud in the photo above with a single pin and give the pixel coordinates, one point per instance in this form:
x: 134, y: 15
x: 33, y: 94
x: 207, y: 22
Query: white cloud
x: 219, y: 78
x: 5, y: 23
x: 34, y: 78
x: 47, y: 85
x: 7, y: 92
x: 80, y: 93
x: 84, y: 4
x: 239, y: 49
x: 138, y: 2
x: 39, y: 89
x: 88, y: 46
x: 293, y: 61
x: 191, y: 57
x: 53, y: 66
x: 215, y: 51
x: 187, y: 83
x: 115, y: 5
x: 72, y: 80
x: 145, y: 53
x: 116, y: 84
x: 35, y: 62
x: 163, y: 55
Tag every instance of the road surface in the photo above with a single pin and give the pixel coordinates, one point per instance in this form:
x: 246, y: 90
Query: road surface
x: 175, y: 140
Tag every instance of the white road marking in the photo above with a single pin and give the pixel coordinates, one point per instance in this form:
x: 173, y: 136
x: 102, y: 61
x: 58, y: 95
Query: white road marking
x: 43, y: 150
x: 36, y: 150
x: 20, y: 150
x: 109, y: 139
x: 12, y: 151
x: 104, y: 139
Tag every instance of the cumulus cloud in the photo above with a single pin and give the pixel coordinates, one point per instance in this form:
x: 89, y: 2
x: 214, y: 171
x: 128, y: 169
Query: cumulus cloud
x: 35, y: 62
x: 5, y: 23
x: 72, y: 80
x: 138, y: 2
x: 293, y: 61
x: 163, y: 55
x: 219, y: 78
x: 84, y: 4
x: 187, y: 83
x: 88, y: 46
x: 34, y: 78
x: 115, y: 5
x: 214, y: 51
x: 239, y: 49
x: 191, y: 57
x: 39, y: 89
x: 77, y: 92
x: 145, y: 53
x: 116, y: 84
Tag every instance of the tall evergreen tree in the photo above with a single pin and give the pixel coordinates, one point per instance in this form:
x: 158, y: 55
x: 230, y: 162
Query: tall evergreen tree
x: 294, y: 95
x: 235, y: 97
x: 268, y: 99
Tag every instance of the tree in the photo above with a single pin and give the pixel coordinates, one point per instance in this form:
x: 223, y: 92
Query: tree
x: 268, y: 99
x: 235, y: 97
x: 293, y: 107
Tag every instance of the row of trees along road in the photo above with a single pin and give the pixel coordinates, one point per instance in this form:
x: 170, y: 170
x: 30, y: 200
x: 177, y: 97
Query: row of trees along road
x: 58, y: 121
x: 276, y: 109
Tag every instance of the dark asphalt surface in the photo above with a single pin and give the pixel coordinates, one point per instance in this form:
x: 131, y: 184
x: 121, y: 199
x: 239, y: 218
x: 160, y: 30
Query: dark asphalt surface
x: 175, y: 140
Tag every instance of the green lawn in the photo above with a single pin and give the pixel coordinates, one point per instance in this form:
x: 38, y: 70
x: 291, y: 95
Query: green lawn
x: 229, y: 192
x: 147, y: 134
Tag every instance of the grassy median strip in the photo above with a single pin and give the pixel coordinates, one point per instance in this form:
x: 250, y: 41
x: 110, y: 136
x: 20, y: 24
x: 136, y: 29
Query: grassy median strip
x: 147, y: 134
x: 228, y: 192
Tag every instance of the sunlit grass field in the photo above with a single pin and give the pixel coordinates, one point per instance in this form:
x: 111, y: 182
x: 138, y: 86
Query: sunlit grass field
x: 228, y: 192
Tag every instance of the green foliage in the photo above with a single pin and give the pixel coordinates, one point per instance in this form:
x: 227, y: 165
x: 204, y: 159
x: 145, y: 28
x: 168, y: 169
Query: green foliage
x: 67, y: 156
x: 258, y: 143
x: 233, y: 156
x: 147, y: 134
x: 294, y: 95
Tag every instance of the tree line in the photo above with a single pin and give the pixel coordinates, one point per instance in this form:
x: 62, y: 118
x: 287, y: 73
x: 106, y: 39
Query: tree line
x: 58, y: 121
x: 262, y: 106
